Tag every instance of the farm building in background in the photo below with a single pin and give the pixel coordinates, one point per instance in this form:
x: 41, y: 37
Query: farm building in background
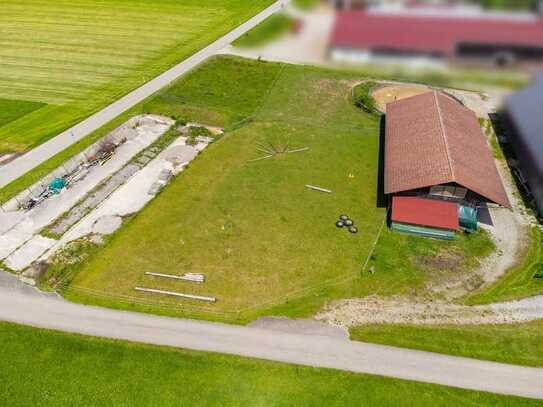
x: 430, y: 37
x: 525, y: 124
x: 438, y: 167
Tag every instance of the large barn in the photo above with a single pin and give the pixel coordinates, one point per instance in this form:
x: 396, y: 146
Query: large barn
x: 365, y: 36
x: 523, y: 111
x: 436, y: 159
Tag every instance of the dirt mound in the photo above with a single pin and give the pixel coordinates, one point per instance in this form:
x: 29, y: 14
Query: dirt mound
x: 393, y: 93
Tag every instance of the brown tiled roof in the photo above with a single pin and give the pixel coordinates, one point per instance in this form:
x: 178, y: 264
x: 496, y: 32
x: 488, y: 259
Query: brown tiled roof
x: 432, y: 139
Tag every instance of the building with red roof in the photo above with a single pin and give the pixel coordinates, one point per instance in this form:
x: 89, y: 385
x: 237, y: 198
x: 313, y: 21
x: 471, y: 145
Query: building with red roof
x: 364, y: 35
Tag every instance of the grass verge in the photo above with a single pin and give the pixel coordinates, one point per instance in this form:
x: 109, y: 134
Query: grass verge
x: 42, y: 367
x: 267, y: 31
x: 518, y: 344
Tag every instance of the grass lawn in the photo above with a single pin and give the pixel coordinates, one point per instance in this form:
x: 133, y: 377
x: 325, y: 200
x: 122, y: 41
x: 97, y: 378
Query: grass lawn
x: 518, y: 344
x: 523, y: 280
x: 306, y: 4
x: 267, y: 31
x: 11, y: 110
x: 517, y: 5
x: 404, y: 264
x: 78, y: 56
x: 266, y: 244
x: 45, y: 368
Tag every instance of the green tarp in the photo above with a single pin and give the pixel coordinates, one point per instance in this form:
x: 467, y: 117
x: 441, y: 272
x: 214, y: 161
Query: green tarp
x: 57, y: 184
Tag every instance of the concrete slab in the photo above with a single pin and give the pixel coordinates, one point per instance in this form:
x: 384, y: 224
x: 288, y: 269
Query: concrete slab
x: 107, y: 224
x: 29, y: 252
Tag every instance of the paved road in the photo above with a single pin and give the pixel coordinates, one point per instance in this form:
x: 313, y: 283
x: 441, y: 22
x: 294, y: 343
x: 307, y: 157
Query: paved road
x: 33, y: 158
x: 22, y: 304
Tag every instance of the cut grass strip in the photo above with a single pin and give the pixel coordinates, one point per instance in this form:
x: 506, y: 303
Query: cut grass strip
x: 11, y: 110
x: 518, y: 344
x: 267, y: 31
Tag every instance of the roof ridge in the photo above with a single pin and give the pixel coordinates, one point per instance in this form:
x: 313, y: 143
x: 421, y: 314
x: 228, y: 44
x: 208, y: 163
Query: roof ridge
x: 442, y: 127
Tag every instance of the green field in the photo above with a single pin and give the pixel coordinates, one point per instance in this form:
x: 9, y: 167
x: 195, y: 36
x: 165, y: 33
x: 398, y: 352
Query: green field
x: 267, y: 31
x: 517, y: 5
x: 78, y: 56
x: 518, y: 344
x: 265, y: 242
x: 48, y: 368
x: 11, y: 110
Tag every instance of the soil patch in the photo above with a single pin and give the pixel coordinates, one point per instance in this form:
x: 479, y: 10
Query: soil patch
x: 390, y: 94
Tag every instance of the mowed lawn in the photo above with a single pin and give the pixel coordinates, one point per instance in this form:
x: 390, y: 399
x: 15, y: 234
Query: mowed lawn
x: 265, y: 242
x: 518, y: 344
x: 78, y: 56
x: 48, y: 368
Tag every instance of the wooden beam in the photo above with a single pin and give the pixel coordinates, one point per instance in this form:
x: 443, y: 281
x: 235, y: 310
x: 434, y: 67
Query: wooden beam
x: 318, y: 189
x: 197, y: 278
x: 174, y: 294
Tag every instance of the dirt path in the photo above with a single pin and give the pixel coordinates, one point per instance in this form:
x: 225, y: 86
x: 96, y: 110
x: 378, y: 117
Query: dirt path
x: 396, y: 310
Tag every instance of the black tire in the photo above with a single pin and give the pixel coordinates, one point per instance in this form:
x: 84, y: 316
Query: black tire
x: 340, y: 224
x: 343, y: 217
x: 353, y: 229
x: 348, y: 223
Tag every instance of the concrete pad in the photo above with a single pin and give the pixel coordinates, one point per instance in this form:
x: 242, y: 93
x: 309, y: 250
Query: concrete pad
x: 29, y: 252
x: 180, y: 153
x: 107, y: 224
x: 9, y: 220
x: 29, y: 223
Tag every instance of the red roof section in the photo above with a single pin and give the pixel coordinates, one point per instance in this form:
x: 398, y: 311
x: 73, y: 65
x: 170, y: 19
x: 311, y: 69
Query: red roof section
x: 425, y: 212
x: 417, y: 33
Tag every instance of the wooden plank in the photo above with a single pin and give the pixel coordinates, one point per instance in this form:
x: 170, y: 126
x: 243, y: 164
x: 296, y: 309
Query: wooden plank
x: 174, y: 294
x: 298, y: 150
x: 261, y: 158
x: 318, y: 189
x: 198, y: 278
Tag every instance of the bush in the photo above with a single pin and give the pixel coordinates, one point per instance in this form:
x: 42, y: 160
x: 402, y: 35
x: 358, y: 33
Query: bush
x: 362, y: 97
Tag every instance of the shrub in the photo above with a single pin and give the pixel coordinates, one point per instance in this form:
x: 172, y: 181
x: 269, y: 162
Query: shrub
x: 362, y: 97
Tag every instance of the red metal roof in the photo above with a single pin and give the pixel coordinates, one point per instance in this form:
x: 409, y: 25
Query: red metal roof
x: 418, y: 33
x: 425, y: 212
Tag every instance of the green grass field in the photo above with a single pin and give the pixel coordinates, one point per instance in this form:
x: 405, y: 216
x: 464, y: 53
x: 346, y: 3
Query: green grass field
x: 518, y: 344
x: 267, y: 31
x: 267, y: 244
x: 78, y: 56
x: 11, y: 110
x: 48, y: 368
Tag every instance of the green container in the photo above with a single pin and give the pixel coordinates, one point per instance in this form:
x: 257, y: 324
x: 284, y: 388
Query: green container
x: 467, y: 217
x: 424, y: 231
